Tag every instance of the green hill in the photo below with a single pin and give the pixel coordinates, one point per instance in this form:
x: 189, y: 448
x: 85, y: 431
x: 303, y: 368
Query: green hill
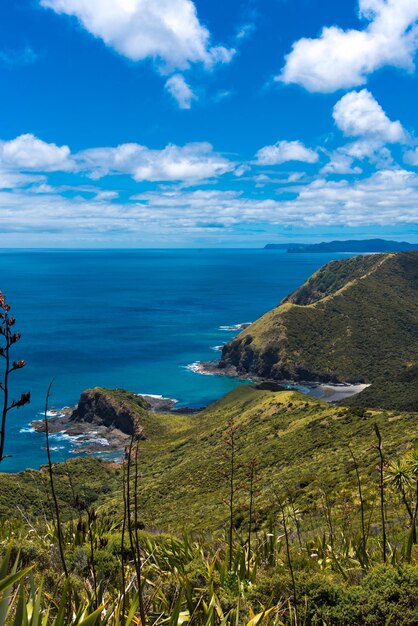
x: 300, y: 444
x: 354, y: 320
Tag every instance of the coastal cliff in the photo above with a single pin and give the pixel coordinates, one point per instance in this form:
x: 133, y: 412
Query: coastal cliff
x: 353, y: 321
x: 112, y: 408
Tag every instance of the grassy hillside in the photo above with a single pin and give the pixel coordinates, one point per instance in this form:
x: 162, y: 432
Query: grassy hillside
x: 300, y: 444
x: 305, y: 561
x: 268, y: 508
x: 304, y: 489
x: 354, y: 320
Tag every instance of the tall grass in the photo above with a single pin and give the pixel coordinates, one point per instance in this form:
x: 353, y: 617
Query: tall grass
x: 193, y: 580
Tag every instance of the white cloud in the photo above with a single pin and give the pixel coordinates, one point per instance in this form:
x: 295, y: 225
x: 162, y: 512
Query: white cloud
x: 284, y: 151
x: 295, y: 177
x: 242, y: 169
x: 245, y: 31
x: 411, y: 157
x: 180, y: 91
x: 166, y: 30
x: 358, y: 114
x: 340, y: 163
x: 189, y: 163
x: 27, y: 152
x: 13, y: 180
x: 388, y: 197
x: 341, y: 59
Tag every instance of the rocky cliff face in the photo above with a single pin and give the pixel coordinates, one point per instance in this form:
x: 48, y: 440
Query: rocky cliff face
x: 113, y: 408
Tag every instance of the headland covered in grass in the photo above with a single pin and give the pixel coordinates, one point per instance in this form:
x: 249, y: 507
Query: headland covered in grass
x: 353, y: 321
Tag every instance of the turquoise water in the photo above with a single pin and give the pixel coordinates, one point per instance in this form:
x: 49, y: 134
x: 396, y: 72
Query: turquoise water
x: 133, y: 319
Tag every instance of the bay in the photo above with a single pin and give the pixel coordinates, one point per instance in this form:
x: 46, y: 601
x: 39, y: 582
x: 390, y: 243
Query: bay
x: 135, y: 319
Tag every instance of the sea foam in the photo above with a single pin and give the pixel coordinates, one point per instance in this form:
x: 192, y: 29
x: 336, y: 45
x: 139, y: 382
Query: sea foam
x: 235, y: 327
x: 197, y: 368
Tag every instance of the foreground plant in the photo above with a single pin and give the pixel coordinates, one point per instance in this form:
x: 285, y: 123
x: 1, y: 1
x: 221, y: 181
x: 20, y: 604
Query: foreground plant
x: 51, y: 482
x: 9, y: 337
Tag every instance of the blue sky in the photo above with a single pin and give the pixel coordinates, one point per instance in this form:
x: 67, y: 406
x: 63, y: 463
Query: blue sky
x: 147, y: 123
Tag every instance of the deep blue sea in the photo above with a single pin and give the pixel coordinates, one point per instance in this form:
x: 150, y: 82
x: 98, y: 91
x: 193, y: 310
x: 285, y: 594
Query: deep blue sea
x: 131, y: 318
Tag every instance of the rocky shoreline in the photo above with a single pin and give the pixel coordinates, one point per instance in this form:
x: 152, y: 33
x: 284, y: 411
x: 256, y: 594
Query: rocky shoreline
x: 330, y: 392
x: 96, y: 438
x: 103, y: 429
x: 85, y: 437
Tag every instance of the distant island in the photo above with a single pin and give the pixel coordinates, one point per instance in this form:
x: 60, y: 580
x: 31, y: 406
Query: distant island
x: 351, y: 245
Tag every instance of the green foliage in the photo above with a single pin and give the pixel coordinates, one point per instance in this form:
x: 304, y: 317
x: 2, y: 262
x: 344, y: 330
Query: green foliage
x: 300, y: 444
x: 331, y: 278
x: 303, y: 462
x: 27, y: 494
x: 387, y: 595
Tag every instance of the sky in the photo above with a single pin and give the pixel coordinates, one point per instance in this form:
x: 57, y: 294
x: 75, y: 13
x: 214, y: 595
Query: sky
x: 180, y: 123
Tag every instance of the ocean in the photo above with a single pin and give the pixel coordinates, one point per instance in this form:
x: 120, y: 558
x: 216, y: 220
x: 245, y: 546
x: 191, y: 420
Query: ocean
x: 137, y: 319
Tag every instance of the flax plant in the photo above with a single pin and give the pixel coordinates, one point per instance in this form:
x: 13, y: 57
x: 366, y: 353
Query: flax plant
x: 382, y: 492
x: 52, y: 485
x: 10, y: 338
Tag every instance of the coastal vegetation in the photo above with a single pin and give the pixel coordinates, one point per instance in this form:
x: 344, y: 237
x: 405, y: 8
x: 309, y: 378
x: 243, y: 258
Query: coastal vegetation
x: 301, y: 498
x: 269, y: 507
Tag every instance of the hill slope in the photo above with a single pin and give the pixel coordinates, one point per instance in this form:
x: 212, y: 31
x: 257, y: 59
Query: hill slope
x: 300, y: 444
x: 305, y: 495
x: 354, y: 320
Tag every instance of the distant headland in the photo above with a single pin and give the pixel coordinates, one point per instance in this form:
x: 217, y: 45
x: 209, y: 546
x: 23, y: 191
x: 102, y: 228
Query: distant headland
x: 351, y: 245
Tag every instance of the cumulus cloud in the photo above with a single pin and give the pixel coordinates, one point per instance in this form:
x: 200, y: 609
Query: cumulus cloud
x: 284, y: 151
x: 189, y: 163
x: 27, y: 152
x: 386, y: 197
x: 29, y: 204
x: 371, y: 149
x: 341, y: 59
x: 340, y: 163
x: 359, y: 114
x: 166, y: 30
x: 411, y: 157
x: 14, y: 180
x: 180, y: 90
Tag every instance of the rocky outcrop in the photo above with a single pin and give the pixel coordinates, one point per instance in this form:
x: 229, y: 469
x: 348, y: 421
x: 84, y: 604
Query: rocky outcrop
x: 112, y: 408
